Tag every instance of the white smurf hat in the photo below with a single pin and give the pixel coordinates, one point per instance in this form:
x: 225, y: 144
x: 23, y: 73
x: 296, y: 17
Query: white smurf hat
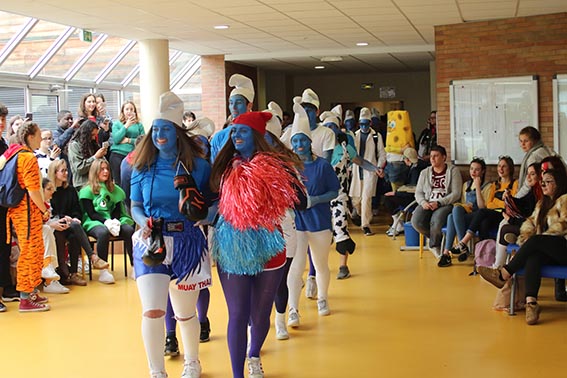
x: 310, y: 97
x: 202, y: 126
x: 274, y: 125
x: 275, y: 109
x: 170, y: 108
x: 365, y: 114
x: 349, y: 114
x: 242, y: 86
x: 300, y: 123
x: 329, y: 116
x: 338, y: 110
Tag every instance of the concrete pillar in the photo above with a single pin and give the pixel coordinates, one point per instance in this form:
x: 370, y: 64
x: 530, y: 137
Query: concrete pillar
x: 213, y: 85
x: 154, y: 76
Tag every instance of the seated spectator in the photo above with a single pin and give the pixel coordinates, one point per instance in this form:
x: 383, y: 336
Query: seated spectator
x: 124, y: 134
x: 105, y: 213
x: 438, y: 187
x: 474, y: 196
x: 47, y: 152
x: 50, y: 261
x: 542, y: 242
x: 488, y: 218
x: 532, y: 145
x: 83, y: 150
x: 65, y: 205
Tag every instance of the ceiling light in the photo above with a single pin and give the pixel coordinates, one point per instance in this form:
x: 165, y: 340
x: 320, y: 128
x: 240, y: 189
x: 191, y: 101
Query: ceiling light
x: 332, y: 59
x: 221, y: 27
x: 362, y: 44
x: 319, y: 67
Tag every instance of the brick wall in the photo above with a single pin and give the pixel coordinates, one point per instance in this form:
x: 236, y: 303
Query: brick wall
x: 512, y: 47
x: 213, y: 89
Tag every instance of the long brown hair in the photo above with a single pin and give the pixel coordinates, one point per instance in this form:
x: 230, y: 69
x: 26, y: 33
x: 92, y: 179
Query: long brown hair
x: 82, y: 108
x: 227, y: 153
x: 122, y: 117
x: 188, y: 147
x: 93, y: 182
x: 548, y: 202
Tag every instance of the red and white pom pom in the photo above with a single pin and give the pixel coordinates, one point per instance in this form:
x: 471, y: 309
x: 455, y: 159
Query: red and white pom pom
x: 258, y: 192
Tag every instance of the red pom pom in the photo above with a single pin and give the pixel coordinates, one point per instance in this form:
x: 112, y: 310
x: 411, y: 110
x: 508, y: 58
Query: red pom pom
x: 258, y: 192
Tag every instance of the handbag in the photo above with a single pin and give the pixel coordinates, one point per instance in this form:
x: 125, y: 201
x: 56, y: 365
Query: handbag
x: 192, y: 203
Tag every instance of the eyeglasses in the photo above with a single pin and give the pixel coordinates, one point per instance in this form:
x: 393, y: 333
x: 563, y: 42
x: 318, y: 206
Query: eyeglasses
x: 544, y: 183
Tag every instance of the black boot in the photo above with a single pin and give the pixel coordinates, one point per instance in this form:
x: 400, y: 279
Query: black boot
x: 205, y: 331
x: 560, y: 294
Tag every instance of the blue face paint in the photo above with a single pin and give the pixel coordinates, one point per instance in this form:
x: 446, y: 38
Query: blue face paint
x: 333, y: 126
x: 364, y: 125
x: 243, y: 139
x: 350, y: 124
x: 164, y: 137
x: 311, y: 115
x: 269, y: 139
x: 301, y: 145
x: 237, y: 105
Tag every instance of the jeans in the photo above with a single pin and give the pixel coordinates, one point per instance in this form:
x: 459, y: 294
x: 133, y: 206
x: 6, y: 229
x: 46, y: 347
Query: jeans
x: 457, y: 223
x: 102, y: 236
x: 430, y: 223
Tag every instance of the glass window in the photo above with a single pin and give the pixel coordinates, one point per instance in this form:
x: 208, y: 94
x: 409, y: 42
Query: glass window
x: 179, y: 64
x: 10, y: 24
x: 32, y: 47
x: 45, y: 109
x: 125, y: 66
x: 69, y: 53
x: 14, y: 99
x: 101, y: 58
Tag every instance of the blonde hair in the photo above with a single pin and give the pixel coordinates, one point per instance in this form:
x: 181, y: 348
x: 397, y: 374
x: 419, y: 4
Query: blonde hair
x: 52, y: 171
x: 93, y: 182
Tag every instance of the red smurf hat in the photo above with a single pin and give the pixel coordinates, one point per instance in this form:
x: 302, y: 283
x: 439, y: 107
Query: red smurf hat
x: 255, y: 120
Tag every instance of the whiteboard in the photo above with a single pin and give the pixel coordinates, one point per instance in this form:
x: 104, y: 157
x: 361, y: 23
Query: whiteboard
x: 560, y: 114
x: 487, y: 116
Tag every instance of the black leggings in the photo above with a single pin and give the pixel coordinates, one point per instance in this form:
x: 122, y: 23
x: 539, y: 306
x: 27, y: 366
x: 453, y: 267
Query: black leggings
x: 537, y: 251
x: 484, y: 221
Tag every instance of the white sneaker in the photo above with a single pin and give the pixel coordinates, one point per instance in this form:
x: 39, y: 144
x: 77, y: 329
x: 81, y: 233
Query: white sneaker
x: 255, y: 368
x: 159, y: 374
x: 49, y: 273
x: 55, y: 287
x: 323, y: 307
x: 436, y: 252
x: 106, y: 277
x: 311, y: 288
x: 293, y: 318
x: 191, y: 369
x: 281, y: 329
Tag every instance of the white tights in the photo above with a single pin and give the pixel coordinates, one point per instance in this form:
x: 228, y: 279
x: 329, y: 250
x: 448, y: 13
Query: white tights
x: 319, y: 242
x: 153, y: 290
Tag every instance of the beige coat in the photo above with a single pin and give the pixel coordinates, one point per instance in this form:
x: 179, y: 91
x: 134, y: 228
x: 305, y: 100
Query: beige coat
x: 556, y: 221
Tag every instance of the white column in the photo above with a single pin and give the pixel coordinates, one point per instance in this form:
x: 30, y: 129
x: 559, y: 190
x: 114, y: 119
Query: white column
x: 154, y: 76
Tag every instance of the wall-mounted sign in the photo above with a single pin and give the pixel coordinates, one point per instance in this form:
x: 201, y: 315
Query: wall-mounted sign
x: 86, y: 36
x: 387, y: 92
x: 366, y: 86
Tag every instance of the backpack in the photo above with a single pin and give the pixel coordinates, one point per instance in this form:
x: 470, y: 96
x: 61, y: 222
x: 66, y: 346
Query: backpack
x: 11, y: 193
x: 485, y: 253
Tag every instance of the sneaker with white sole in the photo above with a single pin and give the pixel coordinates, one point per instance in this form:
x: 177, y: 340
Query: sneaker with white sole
x: 159, y: 374
x: 55, y: 287
x: 106, y: 277
x: 293, y: 318
x: 311, y: 288
x: 49, y: 273
x: 28, y: 305
x: 191, y: 369
x: 255, y: 368
x: 3, y: 307
x: 323, y: 307
x: 436, y: 252
x: 344, y: 272
x: 281, y: 328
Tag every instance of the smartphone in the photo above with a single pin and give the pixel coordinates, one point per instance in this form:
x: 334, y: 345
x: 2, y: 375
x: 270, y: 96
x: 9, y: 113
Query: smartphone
x: 29, y: 116
x: 105, y: 144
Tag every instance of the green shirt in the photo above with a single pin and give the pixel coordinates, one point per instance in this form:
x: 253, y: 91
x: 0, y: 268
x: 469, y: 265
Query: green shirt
x: 104, y: 203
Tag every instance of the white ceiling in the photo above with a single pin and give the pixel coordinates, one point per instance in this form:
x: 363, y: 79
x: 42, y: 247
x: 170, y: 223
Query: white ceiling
x: 287, y: 35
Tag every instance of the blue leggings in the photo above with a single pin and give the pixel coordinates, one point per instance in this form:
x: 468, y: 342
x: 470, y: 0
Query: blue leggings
x: 457, y: 223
